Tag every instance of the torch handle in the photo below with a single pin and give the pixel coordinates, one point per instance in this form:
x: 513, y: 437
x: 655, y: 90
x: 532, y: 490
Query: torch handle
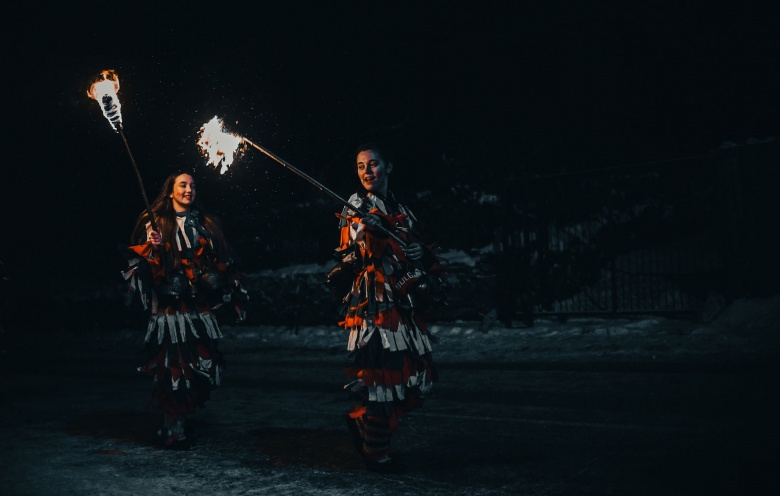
x: 324, y: 189
x: 140, y: 181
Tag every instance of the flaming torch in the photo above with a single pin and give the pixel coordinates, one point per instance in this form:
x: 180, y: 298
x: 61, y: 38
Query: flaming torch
x: 220, y: 146
x: 104, y: 91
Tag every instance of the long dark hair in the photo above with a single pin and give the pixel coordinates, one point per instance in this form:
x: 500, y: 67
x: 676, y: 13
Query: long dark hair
x: 165, y: 217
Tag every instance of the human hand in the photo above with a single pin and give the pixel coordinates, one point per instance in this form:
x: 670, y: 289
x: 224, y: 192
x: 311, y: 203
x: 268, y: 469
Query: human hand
x: 372, y: 220
x: 413, y: 251
x: 155, y: 238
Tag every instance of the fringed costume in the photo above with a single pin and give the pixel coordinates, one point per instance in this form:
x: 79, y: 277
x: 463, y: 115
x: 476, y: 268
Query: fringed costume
x: 389, y: 345
x: 181, y: 343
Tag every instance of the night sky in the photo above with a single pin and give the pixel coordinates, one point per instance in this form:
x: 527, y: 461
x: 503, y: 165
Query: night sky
x: 462, y: 90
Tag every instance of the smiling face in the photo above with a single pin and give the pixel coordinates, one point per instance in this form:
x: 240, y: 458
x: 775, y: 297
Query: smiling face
x: 373, y: 171
x: 183, y: 193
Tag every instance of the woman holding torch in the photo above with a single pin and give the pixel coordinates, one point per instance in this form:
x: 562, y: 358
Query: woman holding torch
x: 386, y: 282
x: 182, y: 267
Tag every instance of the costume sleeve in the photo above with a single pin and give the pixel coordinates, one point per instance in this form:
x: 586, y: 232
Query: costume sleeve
x: 144, y: 271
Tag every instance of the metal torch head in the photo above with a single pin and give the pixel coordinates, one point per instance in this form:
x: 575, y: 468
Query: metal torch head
x: 112, y: 109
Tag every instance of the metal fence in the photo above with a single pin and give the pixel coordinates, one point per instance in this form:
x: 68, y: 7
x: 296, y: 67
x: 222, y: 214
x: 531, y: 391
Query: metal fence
x: 662, y: 237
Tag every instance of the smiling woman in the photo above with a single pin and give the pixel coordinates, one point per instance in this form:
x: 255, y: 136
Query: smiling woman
x: 182, y: 273
x: 384, y: 296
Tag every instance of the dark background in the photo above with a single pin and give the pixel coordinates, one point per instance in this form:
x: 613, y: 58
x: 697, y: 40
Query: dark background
x: 467, y: 92
x: 470, y: 93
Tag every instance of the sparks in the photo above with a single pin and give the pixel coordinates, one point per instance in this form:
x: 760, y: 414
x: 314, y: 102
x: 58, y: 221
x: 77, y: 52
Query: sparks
x: 217, y: 144
x: 104, y: 91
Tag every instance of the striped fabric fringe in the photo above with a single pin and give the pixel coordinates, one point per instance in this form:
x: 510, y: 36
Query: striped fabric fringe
x: 388, y: 393
x: 177, y: 326
x: 405, y: 338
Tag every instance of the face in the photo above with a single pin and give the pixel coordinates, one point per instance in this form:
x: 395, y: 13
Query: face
x: 373, y: 171
x: 183, y: 193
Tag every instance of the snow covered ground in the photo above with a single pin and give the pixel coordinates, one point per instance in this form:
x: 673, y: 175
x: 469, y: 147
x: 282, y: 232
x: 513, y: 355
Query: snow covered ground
x: 745, y: 327
x: 588, y: 406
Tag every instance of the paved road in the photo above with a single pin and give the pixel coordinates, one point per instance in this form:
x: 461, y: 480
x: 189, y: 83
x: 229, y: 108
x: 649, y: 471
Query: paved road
x: 71, y: 422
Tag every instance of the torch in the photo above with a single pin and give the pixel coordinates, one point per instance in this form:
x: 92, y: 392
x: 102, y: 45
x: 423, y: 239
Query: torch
x: 104, y: 91
x: 220, y: 146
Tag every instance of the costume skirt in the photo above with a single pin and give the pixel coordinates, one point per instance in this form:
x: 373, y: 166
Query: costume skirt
x: 182, y: 357
x: 392, y: 369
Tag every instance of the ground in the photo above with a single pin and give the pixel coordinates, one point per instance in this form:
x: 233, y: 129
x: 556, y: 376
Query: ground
x: 643, y: 405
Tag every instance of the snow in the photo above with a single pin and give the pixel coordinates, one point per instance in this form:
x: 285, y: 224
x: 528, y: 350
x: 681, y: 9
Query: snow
x: 642, y: 405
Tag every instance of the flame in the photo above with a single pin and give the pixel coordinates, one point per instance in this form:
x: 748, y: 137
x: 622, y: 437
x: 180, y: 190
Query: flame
x: 217, y: 144
x: 104, y: 91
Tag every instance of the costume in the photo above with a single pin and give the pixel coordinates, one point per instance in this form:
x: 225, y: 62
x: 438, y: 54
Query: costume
x: 389, y: 344
x: 182, y: 354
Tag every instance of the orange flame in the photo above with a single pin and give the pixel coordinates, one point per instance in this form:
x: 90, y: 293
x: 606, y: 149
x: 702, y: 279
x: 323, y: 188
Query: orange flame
x: 104, y: 91
x: 217, y: 144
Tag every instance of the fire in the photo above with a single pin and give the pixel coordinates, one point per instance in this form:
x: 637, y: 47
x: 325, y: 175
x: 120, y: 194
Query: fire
x: 217, y: 144
x: 104, y: 91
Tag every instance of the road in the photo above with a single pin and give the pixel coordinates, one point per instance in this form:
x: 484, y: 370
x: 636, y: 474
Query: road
x: 72, y: 422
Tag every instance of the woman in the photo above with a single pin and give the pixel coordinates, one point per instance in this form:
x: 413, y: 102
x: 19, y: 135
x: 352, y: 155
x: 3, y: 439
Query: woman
x: 387, y: 270
x: 183, y: 271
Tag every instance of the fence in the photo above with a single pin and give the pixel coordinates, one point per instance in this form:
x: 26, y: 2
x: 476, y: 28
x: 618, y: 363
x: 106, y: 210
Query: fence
x: 662, y: 237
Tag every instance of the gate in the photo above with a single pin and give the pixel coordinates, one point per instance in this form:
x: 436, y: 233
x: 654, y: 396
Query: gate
x: 654, y: 238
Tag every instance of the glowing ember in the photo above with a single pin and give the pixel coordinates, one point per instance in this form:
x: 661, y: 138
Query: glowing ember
x: 104, y: 91
x: 217, y: 144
